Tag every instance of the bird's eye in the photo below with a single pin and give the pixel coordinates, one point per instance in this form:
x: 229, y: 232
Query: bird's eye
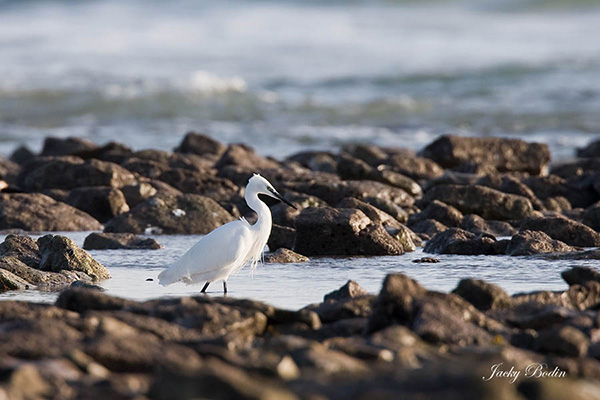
x: 270, y: 189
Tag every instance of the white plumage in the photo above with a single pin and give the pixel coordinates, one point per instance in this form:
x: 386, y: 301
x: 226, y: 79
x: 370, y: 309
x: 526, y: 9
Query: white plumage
x: 228, y: 248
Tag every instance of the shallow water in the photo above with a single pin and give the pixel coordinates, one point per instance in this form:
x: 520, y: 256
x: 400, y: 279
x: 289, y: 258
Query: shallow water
x: 296, y: 285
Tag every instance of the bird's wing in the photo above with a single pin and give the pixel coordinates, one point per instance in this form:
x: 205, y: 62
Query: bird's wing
x: 211, y: 255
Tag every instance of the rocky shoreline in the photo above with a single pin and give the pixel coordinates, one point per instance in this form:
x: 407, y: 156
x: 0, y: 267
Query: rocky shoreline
x: 468, y: 196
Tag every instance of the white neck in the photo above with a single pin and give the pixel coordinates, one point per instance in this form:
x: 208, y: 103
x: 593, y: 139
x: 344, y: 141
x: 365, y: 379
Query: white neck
x: 264, y: 214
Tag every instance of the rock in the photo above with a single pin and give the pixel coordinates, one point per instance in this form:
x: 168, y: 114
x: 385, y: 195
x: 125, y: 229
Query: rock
x: 22, y: 155
x: 513, y: 185
x: 218, y: 189
x: 477, y: 225
x: 580, y: 275
x: 281, y: 237
x: 316, y: 160
x: 37, y: 212
x: 71, y: 172
x: 579, y: 195
x: 112, y: 151
x: 571, y: 232
x: 368, y: 153
x: 564, y: 341
x: 135, y: 194
x: 242, y: 155
x: 23, y: 248
x: 63, y: 147
x: 418, y: 168
x: 503, y: 154
x: 10, y: 281
x: 101, y: 202
x: 428, y: 228
x: 558, y: 204
x: 200, y: 144
x: 591, y: 217
x: 388, y: 207
x: 283, y: 256
x: 527, y: 243
x: 441, y: 212
x: 106, y: 241
x: 483, y: 201
x: 82, y: 300
x: 484, y: 296
x: 374, y: 213
x: 61, y: 253
x: 286, y: 216
x: 407, y: 238
x: 9, y: 170
x: 426, y: 260
x: 590, y: 151
x: 185, y: 214
x: 459, y: 241
x: 574, y: 255
x: 36, y: 277
x: 350, y: 290
x: 329, y: 231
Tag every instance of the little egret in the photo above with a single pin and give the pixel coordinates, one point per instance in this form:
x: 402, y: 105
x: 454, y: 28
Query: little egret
x: 230, y: 247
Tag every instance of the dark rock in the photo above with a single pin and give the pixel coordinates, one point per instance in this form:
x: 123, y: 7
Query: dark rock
x: 39, y: 278
x: 283, y: 256
x: 81, y: 300
x: 135, y: 194
x: 242, y: 155
x: 415, y: 167
x: 164, y: 160
x: 329, y: 231
x: 500, y: 246
x: 591, y: 217
x: 10, y: 281
x: 426, y: 260
x: 101, y: 202
x: 200, y: 144
x: 459, y: 241
x: 571, y: 232
x: 580, y: 275
x: 484, y: 296
x: 37, y: 212
x: 63, y: 147
x: 286, y: 216
x: 185, y: 214
x: 61, y: 253
x: 112, y: 151
x: 406, y: 237
x: 558, y: 204
x: 447, y: 215
x: 591, y: 150
x: 504, y: 154
x: 483, y: 201
x: 388, y: 207
x: 538, y: 316
x: 106, y: 241
x: 316, y: 160
x: 332, y: 310
x: 511, y: 184
x: 22, y: 155
x: 85, y: 285
x: 9, y: 170
x: 545, y: 187
x: 350, y: 290
x: 59, y: 195
x: 218, y: 189
x: 70, y: 172
x: 527, y: 243
x: 374, y: 213
x: 575, y: 255
x: 281, y: 237
x: 564, y: 341
x: 368, y: 153
x: 428, y: 227
x: 23, y: 248
x: 146, y: 168
x: 477, y: 225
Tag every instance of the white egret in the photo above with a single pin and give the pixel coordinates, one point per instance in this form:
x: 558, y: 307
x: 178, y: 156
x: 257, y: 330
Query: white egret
x: 230, y: 247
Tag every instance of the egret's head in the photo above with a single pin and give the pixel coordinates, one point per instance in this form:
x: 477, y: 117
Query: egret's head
x: 259, y: 185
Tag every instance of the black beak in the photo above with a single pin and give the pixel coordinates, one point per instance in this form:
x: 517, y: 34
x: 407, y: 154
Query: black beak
x: 280, y: 197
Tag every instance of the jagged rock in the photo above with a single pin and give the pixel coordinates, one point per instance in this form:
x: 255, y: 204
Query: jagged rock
x: 428, y: 228
x: 374, y: 213
x: 37, y: 212
x: 415, y: 167
x: 59, y: 253
x: 511, y: 184
x: 101, y: 202
x: 34, y: 276
x: 580, y: 275
x: 436, y: 210
x: 504, y: 154
x: 350, y: 290
x: 218, y: 189
x: 135, y: 194
x: 283, y: 255
x: 527, y: 243
x: 483, y: 201
x: 459, y: 241
x: 329, y: 231
x: 10, y: 281
x: 185, y: 214
x: 106, y: 241
x: 200, y: 144
x: 23, y: 248
x: 484, y: 296
x: 477, y: 225
x: 566, y: 230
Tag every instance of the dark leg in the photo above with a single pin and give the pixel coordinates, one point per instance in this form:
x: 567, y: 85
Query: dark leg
x: 205, y: 287
x: 224, y: 287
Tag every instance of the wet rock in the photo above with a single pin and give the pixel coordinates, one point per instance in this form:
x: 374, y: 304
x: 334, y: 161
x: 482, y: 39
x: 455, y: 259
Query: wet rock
x: 59, y: 253
x: 200, y: 144
x: 504, y: 154
x: 426, y: 260
x: 484, y: 296
x: 23, y: 248
x: 483, y: 201
x: 428, y: 228
x: 419, y: 168
x: 407, y: 238
x: 591, y: 150
x: 286, y: 216
x: 459, y: 241
x: 69, y: 172
x: 568, y: 231
x: 63, y: 147
x: 281, y: 237
x: 135, y: 194
x: 575, y: 255
x: 10, y: 281
x: 527, y: 243
x: 218, y: 189
x: 350, y: 290
x: 580, y: 275
x: 375, y: 214
x: 34, y: 276
x: 564, y: 341
x: 441, y: 212
x: 591, y: 217
x: 106, y: 241
x: 283, y: 255
x: 477, y: 225
x: 185, y: 214
x: 329, y: 231
x: 37, y: 212
x: 85, y: 285
x: 102, y: 203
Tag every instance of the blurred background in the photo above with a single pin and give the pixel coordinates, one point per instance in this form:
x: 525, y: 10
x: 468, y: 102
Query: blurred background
x: 290, y: 75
